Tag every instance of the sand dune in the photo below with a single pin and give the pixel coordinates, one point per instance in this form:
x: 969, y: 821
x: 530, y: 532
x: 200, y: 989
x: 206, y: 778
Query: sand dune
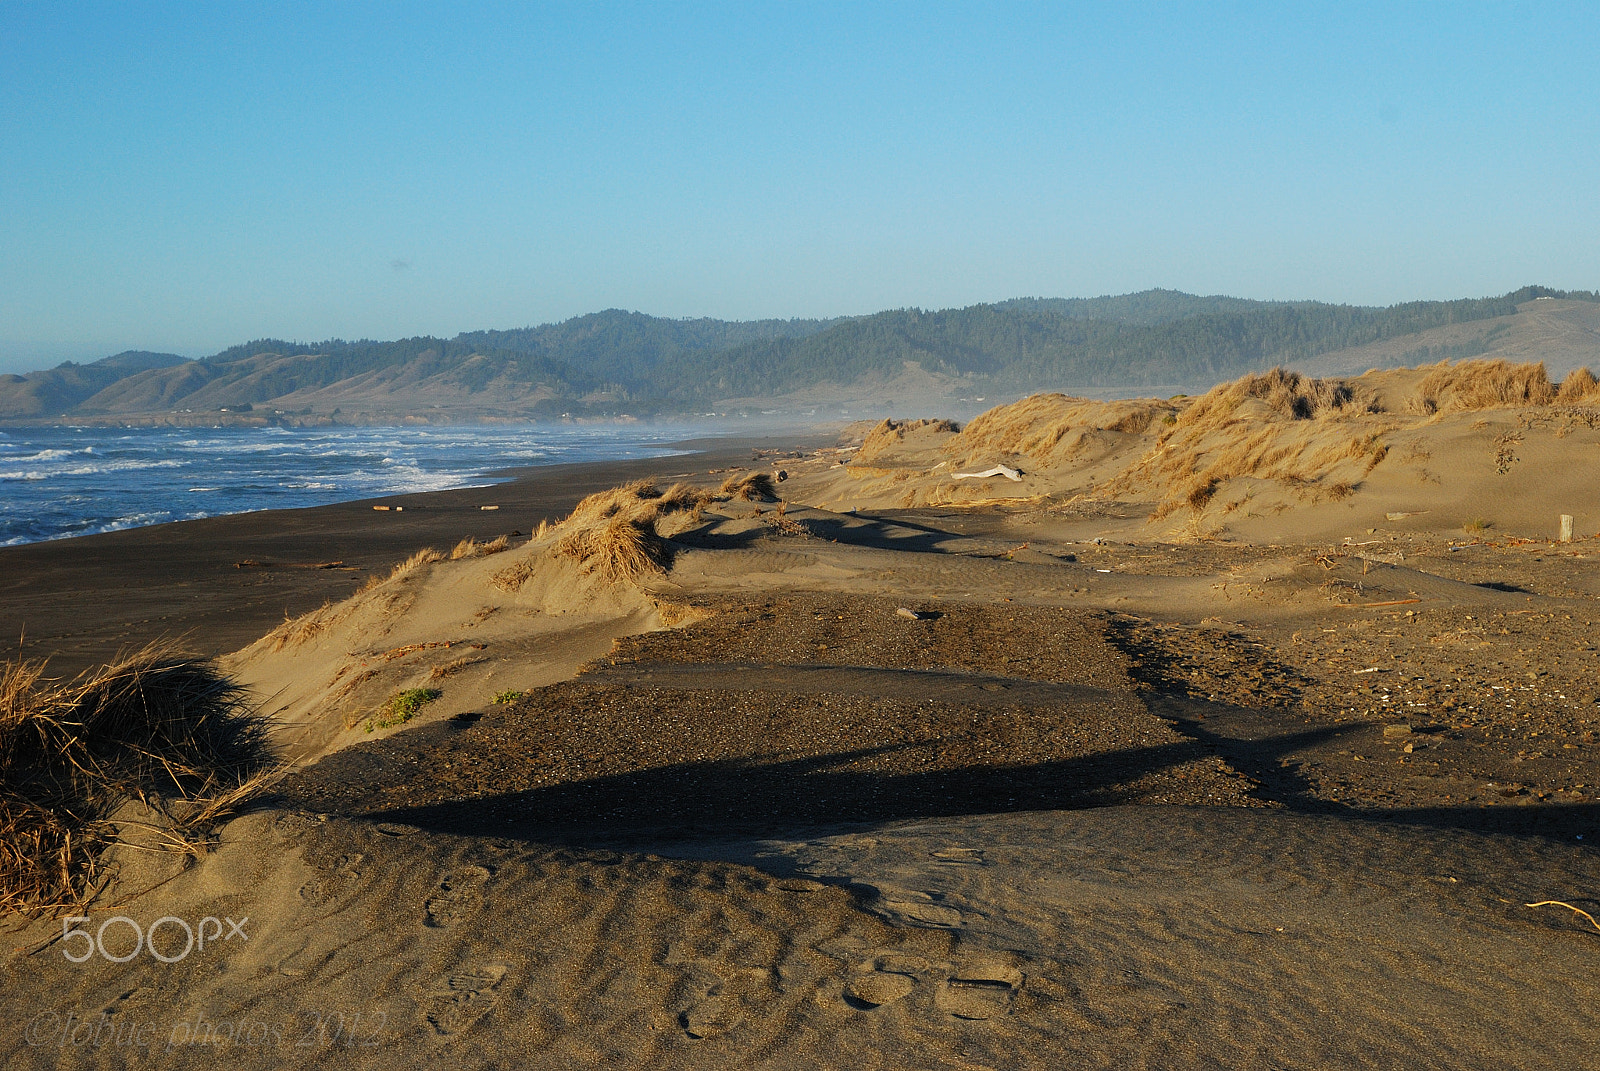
x: 1272, y: 458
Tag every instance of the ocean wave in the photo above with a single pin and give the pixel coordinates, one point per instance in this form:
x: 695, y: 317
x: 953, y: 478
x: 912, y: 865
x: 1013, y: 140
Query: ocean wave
x: 139, y: 520
x: 50, y: 455
x: 62, y: 482
x: 88, y: 470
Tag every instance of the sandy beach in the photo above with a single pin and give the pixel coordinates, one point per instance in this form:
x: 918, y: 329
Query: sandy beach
x: 1235, y: 732
x: 221, y: 582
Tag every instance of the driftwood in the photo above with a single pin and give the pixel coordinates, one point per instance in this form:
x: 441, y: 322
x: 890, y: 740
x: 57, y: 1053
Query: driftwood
x: 998, y: 470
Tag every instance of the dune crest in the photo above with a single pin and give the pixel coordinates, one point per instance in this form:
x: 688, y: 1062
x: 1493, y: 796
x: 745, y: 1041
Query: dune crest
x: 1275, y: 456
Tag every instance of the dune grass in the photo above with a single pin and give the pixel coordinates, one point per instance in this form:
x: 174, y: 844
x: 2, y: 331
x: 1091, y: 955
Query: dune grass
x: 1300, y: 432
x: 401, y: 707
x: 890, y: 433
x: 619, y: 548
x: 751, y: 487
x: 1053, y: 427
x: 618, y: 533
x: 1304, y: 433
x: 1472, y: 385
x: 1579, y: 387
x: 298, y: 630
x: 153, y: 726
x: 471, y: 548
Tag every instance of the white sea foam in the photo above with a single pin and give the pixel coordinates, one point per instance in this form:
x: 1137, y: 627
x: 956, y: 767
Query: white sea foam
x: 51, y: 455
x: 88, y: 470
x: 65, y: 481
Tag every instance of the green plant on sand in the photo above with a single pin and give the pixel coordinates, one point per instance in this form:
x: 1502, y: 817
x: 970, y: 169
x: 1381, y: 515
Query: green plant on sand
x: 402, y: 707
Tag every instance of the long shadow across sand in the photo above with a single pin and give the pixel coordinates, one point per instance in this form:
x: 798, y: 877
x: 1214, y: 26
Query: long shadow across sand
x: 748, y: 798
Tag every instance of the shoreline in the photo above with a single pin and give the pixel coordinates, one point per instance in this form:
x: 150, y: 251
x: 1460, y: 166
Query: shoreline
x: 81, y: 600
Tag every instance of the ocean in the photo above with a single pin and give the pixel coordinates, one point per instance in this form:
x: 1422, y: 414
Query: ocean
x: 64, y: 481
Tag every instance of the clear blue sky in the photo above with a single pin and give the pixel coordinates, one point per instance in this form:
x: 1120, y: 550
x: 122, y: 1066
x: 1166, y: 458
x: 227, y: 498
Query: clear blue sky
x: 185, y: 177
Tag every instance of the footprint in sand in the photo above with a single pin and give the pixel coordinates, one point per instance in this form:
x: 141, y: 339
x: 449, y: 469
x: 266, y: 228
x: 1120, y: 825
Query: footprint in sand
x: 877, y: 988
x: 921, y: 912
x: 711, y: 1017
x: 460, y: 895
x: 729, y: 993
x: 979, y: 991
x: 334, y: 880
x: 964, y: 856
x: 471, y: 997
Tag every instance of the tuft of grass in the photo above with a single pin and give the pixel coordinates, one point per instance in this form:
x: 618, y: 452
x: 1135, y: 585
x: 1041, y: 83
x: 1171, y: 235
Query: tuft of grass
x: 617, y: 533
x: 507, y: 696
x: 1201, y: 492
x: 153, y: 726
x: 1289, y: 394
x: 1473, y: 385
x: 621, y: 548
x: 471, y: 548
x: 786, y: 524
x: 1339, y: 490
x: 890, y: 433
x: 1134, y: 422
x: 1579, y: 386
x: 750, y: 487
x: 402, y: 707
x: 451, y: 668
x: 297, y: 631
x: 425, y: 556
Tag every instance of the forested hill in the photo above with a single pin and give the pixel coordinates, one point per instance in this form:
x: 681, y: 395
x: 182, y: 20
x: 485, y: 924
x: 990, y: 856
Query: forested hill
x: 616, y: 362
x: 1036, y: 344
x: 630, y: 346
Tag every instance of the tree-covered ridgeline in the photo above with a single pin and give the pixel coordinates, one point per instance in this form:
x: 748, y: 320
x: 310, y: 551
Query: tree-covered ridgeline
x: 646, y: 364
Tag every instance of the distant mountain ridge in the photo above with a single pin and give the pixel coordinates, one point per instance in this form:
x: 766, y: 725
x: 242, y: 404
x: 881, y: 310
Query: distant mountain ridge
x: 614, y: 362
x: 61, y: 389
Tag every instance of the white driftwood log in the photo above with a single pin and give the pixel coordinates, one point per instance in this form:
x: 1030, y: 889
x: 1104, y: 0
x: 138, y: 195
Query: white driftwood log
x: 998, y: 470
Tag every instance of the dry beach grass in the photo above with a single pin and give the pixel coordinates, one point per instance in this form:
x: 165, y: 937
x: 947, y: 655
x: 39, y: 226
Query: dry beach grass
x: 153, y: 727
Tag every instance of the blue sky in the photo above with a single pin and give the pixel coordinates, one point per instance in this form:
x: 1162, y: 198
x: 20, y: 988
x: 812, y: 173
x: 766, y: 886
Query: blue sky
x: 185, y: 177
